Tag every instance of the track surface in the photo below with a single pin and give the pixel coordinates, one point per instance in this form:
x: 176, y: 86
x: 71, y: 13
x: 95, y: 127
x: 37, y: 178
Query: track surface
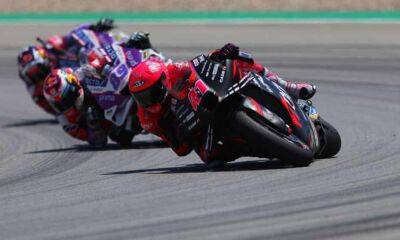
x: 53, y: 187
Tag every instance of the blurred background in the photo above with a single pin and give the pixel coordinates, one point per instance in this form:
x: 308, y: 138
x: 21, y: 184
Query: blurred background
x: 193, y: 5
x: 52, y: 189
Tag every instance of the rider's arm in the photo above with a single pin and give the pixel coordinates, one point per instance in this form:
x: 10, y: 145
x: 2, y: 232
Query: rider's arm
x: 64, y: 42
x: 253, y: 66
x: 180, y: 79
x: 155, y: 124
x: 72, y: 127
x: 36, y: 92
x: 243, y: 60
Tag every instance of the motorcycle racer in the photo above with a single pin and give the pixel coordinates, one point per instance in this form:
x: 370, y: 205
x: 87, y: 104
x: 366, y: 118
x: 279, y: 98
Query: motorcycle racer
x: 156, y: 87
x: 70, y: 95
x: 33, y: 67
x: 73, y: 41
x: 77, y: 111
x: 35, y: 62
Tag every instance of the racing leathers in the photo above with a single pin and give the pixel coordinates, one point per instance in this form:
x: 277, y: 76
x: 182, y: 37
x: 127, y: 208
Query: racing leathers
x: 36, y: 62
x: 76, y: 109
x: 84, y: 121
x: 162, y: 119
x: 77, y: 121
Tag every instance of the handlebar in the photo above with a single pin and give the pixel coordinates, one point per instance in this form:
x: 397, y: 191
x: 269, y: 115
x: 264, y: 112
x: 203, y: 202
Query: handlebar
x: 41, y: 41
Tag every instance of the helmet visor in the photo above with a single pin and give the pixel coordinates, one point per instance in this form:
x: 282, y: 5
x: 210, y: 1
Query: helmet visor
x: 154, y: 94
x: 37, y: 73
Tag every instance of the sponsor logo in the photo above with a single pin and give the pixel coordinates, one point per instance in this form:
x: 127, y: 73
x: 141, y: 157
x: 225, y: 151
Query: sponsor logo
x: 153, y: 66
x: 198, y: 60
x: 108, y: 98
x: 81, y: 36
x: 118, y: 74
x: 222, y: 75
x: 95, y: 82
x: 138, y: 84
x: 130, y: 58
x: 110, y: 51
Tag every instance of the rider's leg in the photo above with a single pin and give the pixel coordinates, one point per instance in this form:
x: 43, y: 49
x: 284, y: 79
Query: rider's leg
x: 297, y: 90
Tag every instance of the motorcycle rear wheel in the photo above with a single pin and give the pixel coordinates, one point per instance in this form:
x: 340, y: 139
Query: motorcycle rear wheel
x: 123, y: 138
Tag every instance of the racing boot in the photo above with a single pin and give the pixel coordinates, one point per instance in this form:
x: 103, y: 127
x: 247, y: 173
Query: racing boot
x: 303, y: 91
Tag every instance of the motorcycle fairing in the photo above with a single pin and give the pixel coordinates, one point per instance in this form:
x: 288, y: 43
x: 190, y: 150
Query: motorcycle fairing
x: 107, y: 92
x: 213, y: 74
x: 119, y: 112
x: 277, y: 122
x: 301, y: 124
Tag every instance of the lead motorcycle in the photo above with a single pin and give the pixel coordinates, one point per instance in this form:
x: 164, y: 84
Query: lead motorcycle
x: 255, y: 115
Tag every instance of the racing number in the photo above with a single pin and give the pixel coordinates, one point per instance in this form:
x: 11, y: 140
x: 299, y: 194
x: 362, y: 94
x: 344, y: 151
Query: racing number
x: 196, y: 93
x: 117, y: 74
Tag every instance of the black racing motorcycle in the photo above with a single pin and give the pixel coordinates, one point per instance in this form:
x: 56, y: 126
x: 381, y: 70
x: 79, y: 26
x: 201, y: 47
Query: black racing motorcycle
x: 255, y: 116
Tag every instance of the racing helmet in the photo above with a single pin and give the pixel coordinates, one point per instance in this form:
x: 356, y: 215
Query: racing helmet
x: 32, y: 64
x: 145, y: 83
x: 62, y: 90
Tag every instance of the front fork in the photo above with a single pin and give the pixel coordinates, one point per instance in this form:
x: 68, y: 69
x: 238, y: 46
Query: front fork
x: 309, y: 109
x: 313, y: 114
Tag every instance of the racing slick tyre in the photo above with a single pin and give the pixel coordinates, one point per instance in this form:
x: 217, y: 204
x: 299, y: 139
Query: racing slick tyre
x: 122, y: 137
x: 333, y: 141
x: 270, y: 143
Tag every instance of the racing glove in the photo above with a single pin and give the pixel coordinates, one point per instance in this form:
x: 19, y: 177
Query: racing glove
x: 228, y: 51
x: 103, y: 25
x: 139, y: 40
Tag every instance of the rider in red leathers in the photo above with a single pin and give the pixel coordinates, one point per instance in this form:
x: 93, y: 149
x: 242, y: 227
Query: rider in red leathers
x: 157, y: 86
x: 33, y: 67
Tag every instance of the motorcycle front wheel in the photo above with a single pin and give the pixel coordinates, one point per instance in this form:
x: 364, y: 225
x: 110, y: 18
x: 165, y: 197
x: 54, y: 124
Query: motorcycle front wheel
x: 332, y: 140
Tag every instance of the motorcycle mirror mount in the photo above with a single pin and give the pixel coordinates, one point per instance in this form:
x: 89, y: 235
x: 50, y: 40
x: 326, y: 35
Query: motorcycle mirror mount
x: 229, y: 70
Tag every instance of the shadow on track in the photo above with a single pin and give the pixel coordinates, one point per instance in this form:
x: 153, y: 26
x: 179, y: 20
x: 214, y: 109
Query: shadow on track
x: 253, y: 165
x: 32, y: 122
x: 109, y: 147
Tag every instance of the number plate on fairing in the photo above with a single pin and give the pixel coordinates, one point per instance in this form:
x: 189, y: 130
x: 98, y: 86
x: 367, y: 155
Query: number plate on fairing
x: 212, y: 73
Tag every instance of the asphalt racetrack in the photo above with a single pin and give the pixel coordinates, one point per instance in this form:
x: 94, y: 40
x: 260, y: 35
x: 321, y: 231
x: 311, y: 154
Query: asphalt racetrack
x: 54, y: 187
